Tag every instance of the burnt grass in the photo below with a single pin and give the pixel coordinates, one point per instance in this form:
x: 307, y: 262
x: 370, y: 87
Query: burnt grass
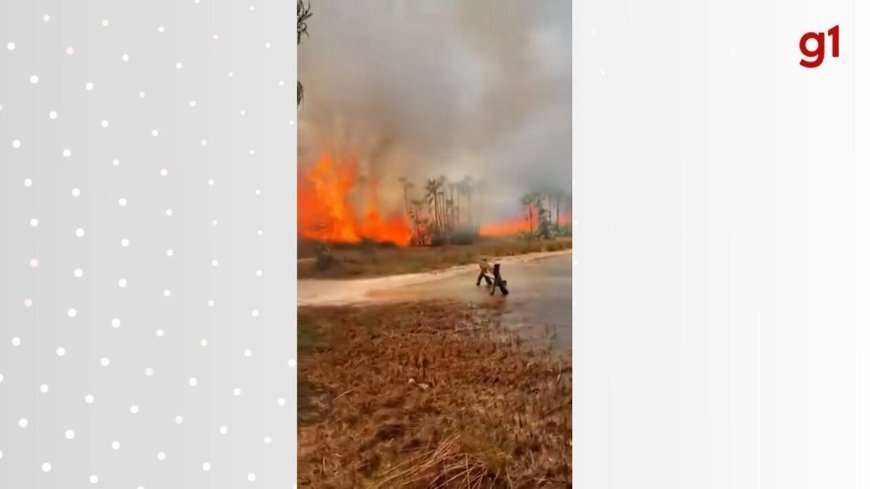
x: 356, y: 261
x: 428, y: 395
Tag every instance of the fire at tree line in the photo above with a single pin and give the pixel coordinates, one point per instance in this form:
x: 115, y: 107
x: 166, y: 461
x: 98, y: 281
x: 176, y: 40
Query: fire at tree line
x: 436, y: 212
x: 337, y: 205
x: 426, y: 431
x: 444, y: 214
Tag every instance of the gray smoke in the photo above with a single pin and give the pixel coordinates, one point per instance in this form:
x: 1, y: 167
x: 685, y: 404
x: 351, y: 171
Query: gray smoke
x: 422, y: 88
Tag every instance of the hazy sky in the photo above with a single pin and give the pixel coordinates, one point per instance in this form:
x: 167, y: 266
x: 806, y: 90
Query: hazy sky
x: 431, y: 87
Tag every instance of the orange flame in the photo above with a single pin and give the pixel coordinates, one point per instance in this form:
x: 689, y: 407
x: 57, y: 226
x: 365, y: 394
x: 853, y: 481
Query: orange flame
x: 505, y: 228
x: 325, y: 211
x: 515, y: 226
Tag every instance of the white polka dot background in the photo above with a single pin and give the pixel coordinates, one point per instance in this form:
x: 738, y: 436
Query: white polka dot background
x: 141, y: 344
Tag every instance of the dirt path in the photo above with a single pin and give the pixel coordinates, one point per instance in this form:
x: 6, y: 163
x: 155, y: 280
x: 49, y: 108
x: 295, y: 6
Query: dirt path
x: 314, y: 292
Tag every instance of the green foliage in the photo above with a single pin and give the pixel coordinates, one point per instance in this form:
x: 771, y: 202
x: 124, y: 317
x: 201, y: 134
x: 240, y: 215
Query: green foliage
x: 442, y: 212
x: 303, y: 13
x: 544, y: 224
x: 563, y: 231
x: 528, y: 236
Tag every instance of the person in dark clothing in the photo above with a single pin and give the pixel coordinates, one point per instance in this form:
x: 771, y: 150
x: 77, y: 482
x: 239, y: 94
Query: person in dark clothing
x: 496, y: 280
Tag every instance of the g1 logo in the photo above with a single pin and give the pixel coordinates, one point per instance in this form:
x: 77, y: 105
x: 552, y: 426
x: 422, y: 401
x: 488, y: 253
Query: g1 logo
x: 816, y: 56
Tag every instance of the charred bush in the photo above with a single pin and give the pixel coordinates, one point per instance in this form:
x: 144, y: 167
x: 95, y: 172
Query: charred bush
x: 324, y: 258
x: 368, y: 245
x: 386, y: 245
x: 463, y: 238
x: 439, y: 239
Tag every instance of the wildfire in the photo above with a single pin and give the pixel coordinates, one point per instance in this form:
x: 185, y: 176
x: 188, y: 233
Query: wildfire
x: 326, y: 211
x: 519, y: 225
x: 505, y: 228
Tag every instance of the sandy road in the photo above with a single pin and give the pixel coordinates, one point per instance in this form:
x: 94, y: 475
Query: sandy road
x: 311, y: 292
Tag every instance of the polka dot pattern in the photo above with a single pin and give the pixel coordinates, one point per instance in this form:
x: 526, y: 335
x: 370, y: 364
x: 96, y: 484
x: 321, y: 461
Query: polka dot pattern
x: 136, y: 331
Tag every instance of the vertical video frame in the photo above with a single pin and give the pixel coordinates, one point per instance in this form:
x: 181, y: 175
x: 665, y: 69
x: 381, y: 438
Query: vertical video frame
x: 434, y: 244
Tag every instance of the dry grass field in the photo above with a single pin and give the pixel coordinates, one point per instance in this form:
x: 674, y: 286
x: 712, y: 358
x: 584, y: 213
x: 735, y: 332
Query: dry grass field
x: 428, y: 395
x: 355, y: 261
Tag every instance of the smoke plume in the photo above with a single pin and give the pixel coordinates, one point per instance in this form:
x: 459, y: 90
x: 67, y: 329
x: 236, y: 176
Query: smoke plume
x: 423, y: 88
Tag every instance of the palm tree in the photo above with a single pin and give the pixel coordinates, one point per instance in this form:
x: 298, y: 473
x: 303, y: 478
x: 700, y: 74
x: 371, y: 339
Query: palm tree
x: 303, y: 13
x: 441, y: 181
x: 543, y: 216
x: 414, y: 211
x: 442, y: 212
x: 431, y: 198
x: 439, y: 198
x: 527, y: 201
x: 451, y: 205
x: 550, y: 207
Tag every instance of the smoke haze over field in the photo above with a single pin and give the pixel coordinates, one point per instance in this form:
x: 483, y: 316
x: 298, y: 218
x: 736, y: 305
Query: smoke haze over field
x: 422, y: 88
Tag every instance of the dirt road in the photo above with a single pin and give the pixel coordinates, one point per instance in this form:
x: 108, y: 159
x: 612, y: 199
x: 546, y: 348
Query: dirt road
x: 539, y: 300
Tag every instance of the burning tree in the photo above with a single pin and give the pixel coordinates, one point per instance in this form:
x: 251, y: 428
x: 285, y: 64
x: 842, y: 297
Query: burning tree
x: 339, y: 202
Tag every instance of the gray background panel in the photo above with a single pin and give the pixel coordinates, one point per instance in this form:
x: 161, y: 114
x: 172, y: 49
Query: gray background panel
x: 161, y: 342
